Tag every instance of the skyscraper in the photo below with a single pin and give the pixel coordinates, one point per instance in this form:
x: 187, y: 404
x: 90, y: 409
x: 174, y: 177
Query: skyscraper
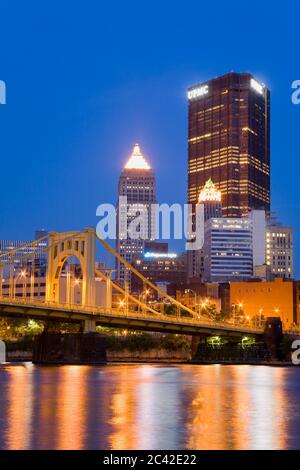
x: 229, y: 142
x: 209, y: 205
x: 136, y: 194
x: 279, y: 250
x: 210, y: 198
x: 233, y: 247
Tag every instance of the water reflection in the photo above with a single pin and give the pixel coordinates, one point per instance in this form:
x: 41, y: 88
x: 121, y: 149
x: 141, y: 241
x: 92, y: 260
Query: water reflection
x: 149, y: 407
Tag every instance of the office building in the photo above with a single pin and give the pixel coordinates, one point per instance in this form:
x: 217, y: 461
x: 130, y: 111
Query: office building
x: 233, y: 247
x: 259, y: 300
x: 229, y: 142
x: 25, y: 286
x: 208, y: 205
x: 210, y: 199
x: 160, y: 266
x: 279, y: 250
x: 136, y: 194
x: 23, y: 257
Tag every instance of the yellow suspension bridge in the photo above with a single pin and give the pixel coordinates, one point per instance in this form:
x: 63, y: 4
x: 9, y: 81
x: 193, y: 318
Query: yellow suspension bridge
x: 129, y: 313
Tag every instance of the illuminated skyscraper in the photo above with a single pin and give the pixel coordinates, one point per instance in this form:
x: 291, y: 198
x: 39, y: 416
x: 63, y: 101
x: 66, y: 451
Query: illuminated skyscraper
x: 210, y: 198
x: 209, y: 205
x: 229, y: 142
x: 233, y: 247
x: 136, y: 194
x: 279, y: 250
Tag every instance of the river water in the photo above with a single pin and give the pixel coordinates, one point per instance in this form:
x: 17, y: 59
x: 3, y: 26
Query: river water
x: 149, y: 406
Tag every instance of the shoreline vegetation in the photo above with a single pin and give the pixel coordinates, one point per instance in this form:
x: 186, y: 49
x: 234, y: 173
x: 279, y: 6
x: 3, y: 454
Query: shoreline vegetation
x: 125, y: 346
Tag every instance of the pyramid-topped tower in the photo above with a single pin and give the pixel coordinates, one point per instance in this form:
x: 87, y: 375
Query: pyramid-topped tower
x: 137, y: 161
x: 137, y: 185
x: 209, y: 192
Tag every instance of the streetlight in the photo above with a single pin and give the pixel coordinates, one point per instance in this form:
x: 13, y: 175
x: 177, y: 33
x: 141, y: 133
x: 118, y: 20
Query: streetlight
x: 204, y: 304
x: 23, y: 275
x: 144, y: 294
x: 76, y: 294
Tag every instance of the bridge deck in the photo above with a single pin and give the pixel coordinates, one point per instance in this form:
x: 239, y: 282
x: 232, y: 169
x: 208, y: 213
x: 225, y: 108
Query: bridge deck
x: 117, y: 318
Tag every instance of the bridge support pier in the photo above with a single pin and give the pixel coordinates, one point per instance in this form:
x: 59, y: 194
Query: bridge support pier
x: 89, y: 326
x: 195, y: 346
x: 69, y: 348
x: 273, y: 337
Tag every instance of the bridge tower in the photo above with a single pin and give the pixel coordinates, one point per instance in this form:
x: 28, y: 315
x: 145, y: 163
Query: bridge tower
x: 63, y: 245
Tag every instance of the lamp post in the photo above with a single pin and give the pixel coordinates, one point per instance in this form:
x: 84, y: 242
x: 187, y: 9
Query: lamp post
x: 122, y: 305
x: 76, y: 289
x: 23, y: 275
x: 144, y: 294
x: 203, y: 304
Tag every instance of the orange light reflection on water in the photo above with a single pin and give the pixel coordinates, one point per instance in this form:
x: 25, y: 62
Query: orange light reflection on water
x: 148, y: 407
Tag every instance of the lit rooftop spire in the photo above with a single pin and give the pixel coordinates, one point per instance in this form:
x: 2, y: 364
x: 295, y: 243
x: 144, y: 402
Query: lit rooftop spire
x: 209, y: 193
x: 137, y: 161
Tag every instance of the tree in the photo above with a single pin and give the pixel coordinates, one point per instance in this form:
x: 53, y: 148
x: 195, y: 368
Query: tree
x: 209, y: 311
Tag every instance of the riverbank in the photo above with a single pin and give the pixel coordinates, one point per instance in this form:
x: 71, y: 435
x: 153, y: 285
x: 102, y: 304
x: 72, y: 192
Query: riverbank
x: 141, y: 347
x: 153, y: 358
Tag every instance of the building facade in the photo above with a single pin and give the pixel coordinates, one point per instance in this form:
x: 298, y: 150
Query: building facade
x: 266, y: 299
x: 208, y: 205
x: 229, y: 142
x: 135, y: 217
x: 233, y: 247
x: 24, y: 257
x: 279, y: 251
x: 228, y: 250
x: 160, y: 266
x: 70, y: 289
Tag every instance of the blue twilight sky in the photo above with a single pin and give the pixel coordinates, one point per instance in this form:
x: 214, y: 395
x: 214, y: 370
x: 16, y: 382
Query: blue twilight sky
x: 86, y: 80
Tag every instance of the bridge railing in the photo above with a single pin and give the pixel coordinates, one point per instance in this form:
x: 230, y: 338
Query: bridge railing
x: 127, y: 313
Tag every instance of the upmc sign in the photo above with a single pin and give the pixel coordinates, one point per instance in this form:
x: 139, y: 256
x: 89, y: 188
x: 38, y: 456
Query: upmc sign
x: 197, y: 92
x: 2, y: 92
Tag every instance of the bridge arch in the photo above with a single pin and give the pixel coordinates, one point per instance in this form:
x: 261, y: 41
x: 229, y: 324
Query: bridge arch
x: 62, y: 246
x: 70, y: 280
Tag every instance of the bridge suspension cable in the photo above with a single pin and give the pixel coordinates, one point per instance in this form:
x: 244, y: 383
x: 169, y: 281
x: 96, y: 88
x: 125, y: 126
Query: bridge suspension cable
x: 125, y: 293
x: 144, y: 279
x: 20, y: 248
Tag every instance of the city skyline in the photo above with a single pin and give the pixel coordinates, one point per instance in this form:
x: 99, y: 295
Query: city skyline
x: 64, y: 144
x: 229, y: 141
x: 149, y: 231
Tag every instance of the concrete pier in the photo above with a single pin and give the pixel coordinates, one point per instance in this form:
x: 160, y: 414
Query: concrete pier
x: 69, y: 348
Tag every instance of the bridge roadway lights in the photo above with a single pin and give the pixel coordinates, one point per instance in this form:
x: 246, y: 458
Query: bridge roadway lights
x: 89, y: 326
